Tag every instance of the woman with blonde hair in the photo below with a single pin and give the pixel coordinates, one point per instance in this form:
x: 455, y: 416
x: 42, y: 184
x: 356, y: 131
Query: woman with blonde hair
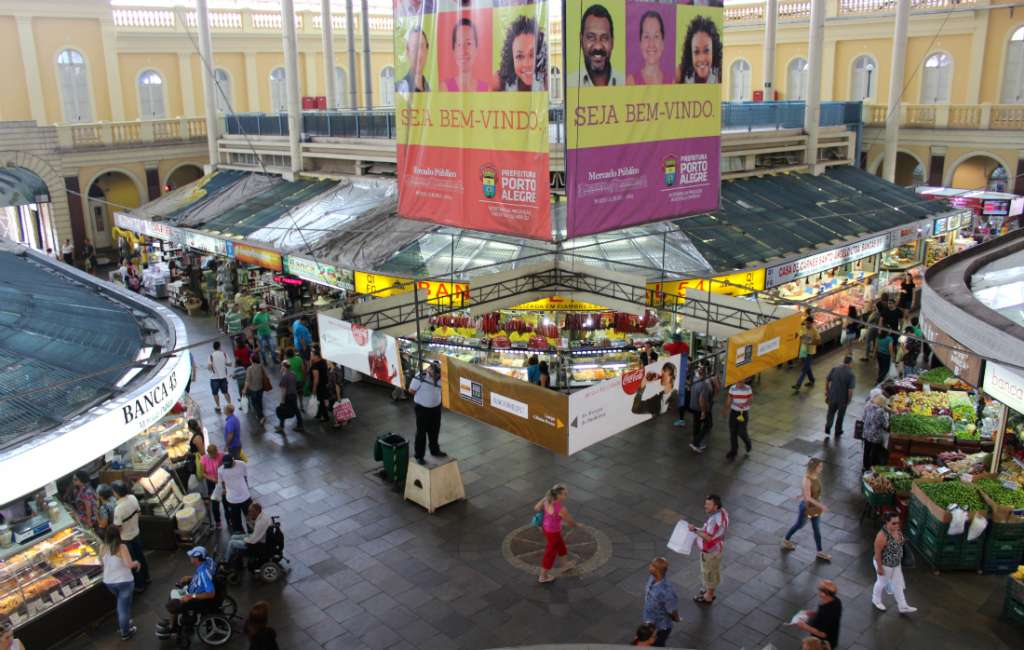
x: 553, y: 513
x: 811, y: 508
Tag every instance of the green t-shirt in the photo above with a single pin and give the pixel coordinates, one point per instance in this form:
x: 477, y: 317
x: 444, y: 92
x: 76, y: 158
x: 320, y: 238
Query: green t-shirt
x: 295, y: 364
x: 262, y: 322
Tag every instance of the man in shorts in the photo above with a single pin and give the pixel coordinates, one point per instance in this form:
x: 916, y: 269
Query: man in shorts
x: 218, y: 366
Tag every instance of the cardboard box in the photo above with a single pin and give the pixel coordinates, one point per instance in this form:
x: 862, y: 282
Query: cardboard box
x: 1003, y: 514
x: 943, y: 515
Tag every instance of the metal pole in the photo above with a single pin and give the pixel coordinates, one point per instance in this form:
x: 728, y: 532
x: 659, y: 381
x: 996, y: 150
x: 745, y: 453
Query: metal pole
x: 419, y: 341
x: 892, y: 116
x: 771, y: 19
x: 291, y: 62
x: 367, y: 68
x: 812, y: 107
x: 327, y: 32
x: 209, y: 99
x: 350, y: 39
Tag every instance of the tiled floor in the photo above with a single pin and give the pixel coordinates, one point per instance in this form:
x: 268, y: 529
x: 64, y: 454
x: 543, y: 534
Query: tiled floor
x: 372, y: 571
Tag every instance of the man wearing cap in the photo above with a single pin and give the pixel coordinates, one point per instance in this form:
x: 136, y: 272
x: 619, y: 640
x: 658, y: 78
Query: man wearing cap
x: 426, y: 395
x: 265, y: 334
x: 197, y: 588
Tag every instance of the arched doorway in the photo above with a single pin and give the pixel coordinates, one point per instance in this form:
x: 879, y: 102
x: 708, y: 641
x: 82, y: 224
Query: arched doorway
x: 980, y: 172
x: 26, y: 211
x: 909, y: 170
x: 109, y: 192
x: 182, y: 175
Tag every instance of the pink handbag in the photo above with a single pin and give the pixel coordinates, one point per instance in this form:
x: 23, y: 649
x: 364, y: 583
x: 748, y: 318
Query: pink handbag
x: 343, y: 411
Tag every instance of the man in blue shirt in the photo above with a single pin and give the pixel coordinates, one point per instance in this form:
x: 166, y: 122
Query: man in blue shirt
x: 192, y: 592
x: 232, y: 432
x: 302, y: 339
x: 661, y: 605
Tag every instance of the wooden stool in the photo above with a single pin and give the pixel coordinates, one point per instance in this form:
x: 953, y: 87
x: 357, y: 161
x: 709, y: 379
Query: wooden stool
x: 434, y: 484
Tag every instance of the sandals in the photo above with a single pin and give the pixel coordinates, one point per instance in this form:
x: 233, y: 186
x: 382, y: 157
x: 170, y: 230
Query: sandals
x: 544, y: 580
x: 699, y: 598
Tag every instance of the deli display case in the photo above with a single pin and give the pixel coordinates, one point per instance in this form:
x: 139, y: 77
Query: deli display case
x: 50, y: 562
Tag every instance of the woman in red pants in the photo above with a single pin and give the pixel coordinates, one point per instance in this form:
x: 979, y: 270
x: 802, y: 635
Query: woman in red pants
x: 554, y: 513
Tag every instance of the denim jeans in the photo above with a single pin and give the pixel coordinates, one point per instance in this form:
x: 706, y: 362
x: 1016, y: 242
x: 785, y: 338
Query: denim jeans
x: 124, y: 592
x: 801, y: 521
x: 805, y: 371
x: 135, y: 550
x: 267, y: 350
x: 236, y: 545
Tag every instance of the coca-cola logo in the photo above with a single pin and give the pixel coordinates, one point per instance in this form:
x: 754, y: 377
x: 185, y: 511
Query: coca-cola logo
x: 631, y: 380
x: 360, y: 334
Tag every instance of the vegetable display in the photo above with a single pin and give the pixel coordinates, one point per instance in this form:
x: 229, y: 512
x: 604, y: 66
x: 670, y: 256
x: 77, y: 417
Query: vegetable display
x: 920, y: 425
x: 1001, y: 494
x: 936, y: 375
x: 946, y: 493
x: 920, y: 403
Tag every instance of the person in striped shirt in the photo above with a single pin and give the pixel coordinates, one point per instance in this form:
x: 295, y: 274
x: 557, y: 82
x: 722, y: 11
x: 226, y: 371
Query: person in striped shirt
x: 738, y: 402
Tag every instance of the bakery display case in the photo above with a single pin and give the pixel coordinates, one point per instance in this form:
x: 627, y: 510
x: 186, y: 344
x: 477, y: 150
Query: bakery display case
x: 903, y: 257
x: 159, y: 494
x: 44, y: 573
x: 584, y: 367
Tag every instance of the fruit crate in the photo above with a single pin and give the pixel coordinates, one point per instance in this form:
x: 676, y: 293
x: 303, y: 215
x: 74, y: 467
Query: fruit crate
x: 949, y: 553
x: 999, y: 566
x: 1006, y: 532
x: 924, y: 518
x: 1013, y: 610
x: 876, y: 499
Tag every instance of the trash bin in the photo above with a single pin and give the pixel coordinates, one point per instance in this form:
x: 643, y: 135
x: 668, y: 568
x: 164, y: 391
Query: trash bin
x: 393, y: 451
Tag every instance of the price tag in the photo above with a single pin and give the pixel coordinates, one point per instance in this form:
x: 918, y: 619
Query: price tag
x: 1011, y: 485
x: 943, y: 470
x: 66, y: 590
x: 967, y: 478
x: 34, y: 607
x: 17, y: 618
x: 83, y: 581
x: 51, y: 489
x: 1019, y: 462
x: 56, y: 597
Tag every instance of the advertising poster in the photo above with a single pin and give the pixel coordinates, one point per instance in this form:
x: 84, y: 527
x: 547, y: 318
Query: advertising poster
x: 471, y: 103
x: 672, y: 292
x: 761, y: 348
x: 382, y: 286
x: 643, y: 111
x: 526, y: 410
x: 374, y: 354
x: 614, y: 405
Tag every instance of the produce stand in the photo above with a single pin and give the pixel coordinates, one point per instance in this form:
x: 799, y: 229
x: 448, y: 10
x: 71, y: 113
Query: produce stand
x: 928, y: 525
x: 1013, y: 604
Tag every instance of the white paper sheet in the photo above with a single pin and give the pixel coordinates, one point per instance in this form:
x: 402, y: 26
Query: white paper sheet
x: 682, y: 539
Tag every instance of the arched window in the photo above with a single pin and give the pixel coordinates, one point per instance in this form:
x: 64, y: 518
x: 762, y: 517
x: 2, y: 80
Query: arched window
x: 340, y: 88
x: 739, y: 81
x: 796, y: 80
x: 222, y: 90
x: 938, y: 69
x: 278, y: 91
x: 1013, y: 71
x: 151, y: 95
x: 998, y: 180
x: 74, y: 86
x: 555, y: 85
x: 387, y: 86
x: 865, y: 78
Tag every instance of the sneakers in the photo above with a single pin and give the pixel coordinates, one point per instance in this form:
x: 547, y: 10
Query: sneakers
x: 788, y: 545
x: 823, y: 556
x: 421, y: 461
x: 439, y: 454
x: 878, y: 605
x: 679, y: 423
x: 696, y: 449
x: 795, y: 386
x: 131, y: 632
x: 907, y: 610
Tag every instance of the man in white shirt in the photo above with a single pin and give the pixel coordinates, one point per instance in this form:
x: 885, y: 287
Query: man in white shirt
x: 260, y: 525
x: 218, y: 366
x: 738, y: 401
x: 426, y: 395
x: 126, y: 518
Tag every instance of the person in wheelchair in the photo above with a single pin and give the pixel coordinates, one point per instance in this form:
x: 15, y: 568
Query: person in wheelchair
x: 254, y: 545
x: 195, y: 593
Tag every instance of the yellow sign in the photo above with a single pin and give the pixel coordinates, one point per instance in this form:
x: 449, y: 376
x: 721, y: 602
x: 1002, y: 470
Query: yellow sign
x: 734, y: 284
x: 558, y: 303
x: 762, y: 348
x: 382, y: 286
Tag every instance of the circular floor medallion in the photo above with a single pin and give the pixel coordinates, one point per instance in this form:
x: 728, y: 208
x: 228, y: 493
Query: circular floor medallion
x: 588, y: 547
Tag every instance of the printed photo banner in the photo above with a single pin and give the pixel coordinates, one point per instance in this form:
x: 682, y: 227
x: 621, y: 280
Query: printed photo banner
x: 643, y: 111
x: 351, y: 345
x: 761, y: 348
x: 471, y: 100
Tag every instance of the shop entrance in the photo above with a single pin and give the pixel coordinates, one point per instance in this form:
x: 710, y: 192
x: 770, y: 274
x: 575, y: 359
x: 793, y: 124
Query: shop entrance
x: 109, y: 192
x: 25, y: 209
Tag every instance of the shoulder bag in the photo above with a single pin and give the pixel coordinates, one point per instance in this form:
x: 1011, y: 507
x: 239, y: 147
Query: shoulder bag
x: 266, y: 381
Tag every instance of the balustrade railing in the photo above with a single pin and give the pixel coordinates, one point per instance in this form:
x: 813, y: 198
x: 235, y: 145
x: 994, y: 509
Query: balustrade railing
x: 105, y: 134
x: 997, y: 117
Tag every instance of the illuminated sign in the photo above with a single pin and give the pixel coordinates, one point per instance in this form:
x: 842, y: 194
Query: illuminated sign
x: 734, y: 284
x: 386, y: 285
x: 807, y: 266
x: 261, y: 257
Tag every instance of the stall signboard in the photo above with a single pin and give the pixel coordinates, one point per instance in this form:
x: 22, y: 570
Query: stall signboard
x: 761, y: 348
x: 558, y: 303
x: 1016, y: 206
x: 1005, y: 384
x: 205, y: 243
x: 154, y: 229
x: 318, y: 272
x: 373, y: 353
x: 806, y: 266
x: 734, y: 284
x: 529, y: 411
x: 940, y: 226
x: 963, y: 363
x: 471, y: 104
x: 643, y: 111
x: 639, y: 394
x: 995, y: 207
x: 909, y: 233
x: 261, y: 257
x: 382, y: 286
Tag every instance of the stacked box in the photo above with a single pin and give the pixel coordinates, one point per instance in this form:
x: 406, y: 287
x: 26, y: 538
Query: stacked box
x: 1004, y: 548
x: 944, y: 552
x: 1013, y: 604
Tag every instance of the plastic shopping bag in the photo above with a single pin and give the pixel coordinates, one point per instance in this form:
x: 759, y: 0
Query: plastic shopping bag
x: 682, y: 539
x: 956, y: 525
x: 978, y: 526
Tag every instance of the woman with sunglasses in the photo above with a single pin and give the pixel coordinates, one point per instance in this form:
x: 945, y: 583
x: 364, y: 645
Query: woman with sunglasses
x: 888, y: 562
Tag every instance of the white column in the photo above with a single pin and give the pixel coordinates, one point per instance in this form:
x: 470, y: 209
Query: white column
x: 350, y: 39
x: 327, y: 31
x: 30, y: 65
x: 188, y: 92
x: 367, y: 68
x: 979, y: 39
x: 209, y: 99
x: 812, y: 111
x: 771, y: 19
x: 252, y: 83
x: 113, y: 68
x: 291, y: 64
x: 892, y: 116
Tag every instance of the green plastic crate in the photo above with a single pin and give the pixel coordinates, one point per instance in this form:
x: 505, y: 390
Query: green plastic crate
x: 1006, y: 532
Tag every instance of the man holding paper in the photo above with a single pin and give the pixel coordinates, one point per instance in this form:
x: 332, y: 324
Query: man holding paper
x: 712, y: 541
x: 661, y: 605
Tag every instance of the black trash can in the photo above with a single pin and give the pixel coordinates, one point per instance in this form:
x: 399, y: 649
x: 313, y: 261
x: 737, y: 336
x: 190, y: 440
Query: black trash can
x: 393, y: 450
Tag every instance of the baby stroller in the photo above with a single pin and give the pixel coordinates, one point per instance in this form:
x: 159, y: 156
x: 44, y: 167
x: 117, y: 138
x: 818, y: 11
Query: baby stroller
x: 265, y: 561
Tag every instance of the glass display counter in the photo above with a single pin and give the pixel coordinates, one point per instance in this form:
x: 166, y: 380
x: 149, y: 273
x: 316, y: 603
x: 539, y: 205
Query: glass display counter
x: 833, y: 292
x: 904, y: 257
